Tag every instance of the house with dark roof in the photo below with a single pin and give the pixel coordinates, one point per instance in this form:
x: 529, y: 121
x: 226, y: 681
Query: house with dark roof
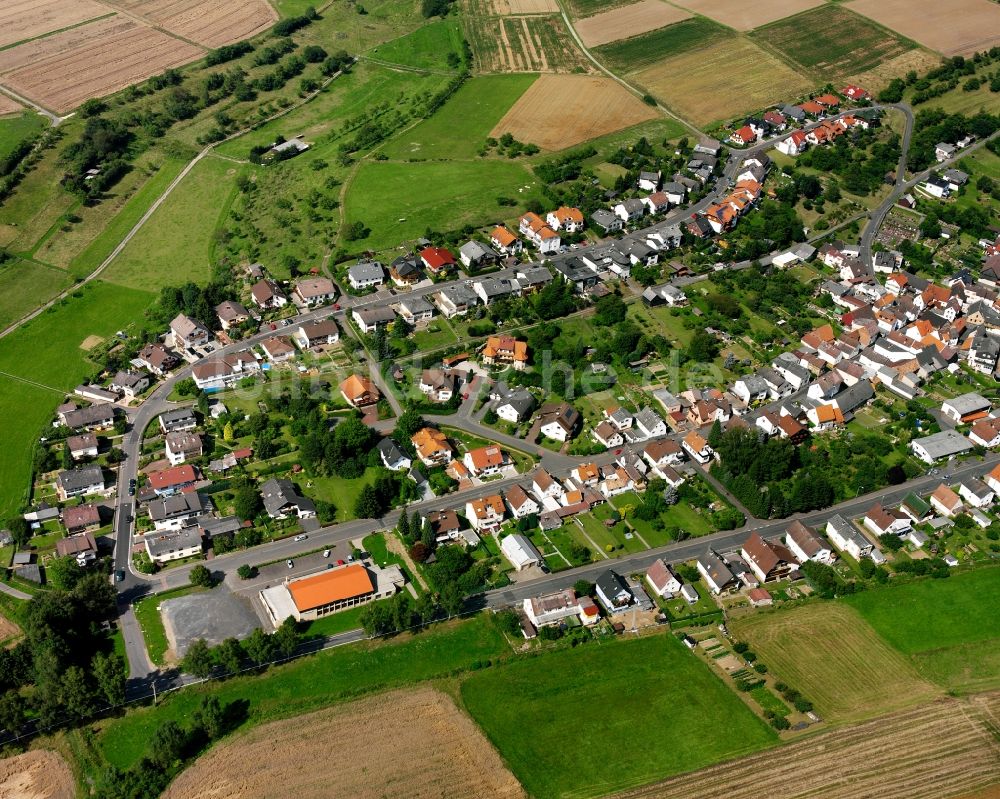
x: 768, y: 561
x: 281, y: 500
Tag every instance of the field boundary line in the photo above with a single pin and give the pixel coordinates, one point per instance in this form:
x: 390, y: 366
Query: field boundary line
x: 634, y: 90
x: 96, y: 273
x: 25, y: 380
x: 47, y: 34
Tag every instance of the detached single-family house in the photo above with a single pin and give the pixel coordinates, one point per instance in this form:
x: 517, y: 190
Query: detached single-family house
x: 505, y: 241
x: 231, y: 314
x: 847, y: 538
x: 767, y: 560
x: 437, y: 259
x: 181, y: 420
x: 80, y: 482
x: 432, y: 447
x: 663, y: 580
x: 697, y: 447
x: 485, y: 514
x: 563, y: 218
x: 82, y: 446
x: 282, y: 500
x: 359, y: 392
x: 278, y: 349
x: 317, y: 333
x: 613, y: 592
x: 882, y: 521
x: 393, y: 458
x: 438, y: 385
x: 369, y: 320
x: 267, y: 294
x: 163, y: 546
x: 167, y: 482
x: 484, y: 461
x: 561, y: 422
x: 81, y: 519
x: 976, y: 493
x: 130, y: 384
x: 188, y: 332
x: 313, y: 291
x: 366, y: 275
x: 715, y: 572
x: 181, y: 447
x: 520, y: 503
x: 806, y: 544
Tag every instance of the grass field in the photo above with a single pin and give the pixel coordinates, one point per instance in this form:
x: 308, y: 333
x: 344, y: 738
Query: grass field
x: 46, y: 352
x: 436, y: 195
x: 175, y: 245
x: 425, y: 48
x: 25, y: 285
x: 15, y: 129
x: 827, y: 652
x: 832, y: 41
x: 641, y: 51
x: 689, y: 83
x: 603, y: 718
x: 948, y: 628
x: 460, y: 127
x: 314, y: 682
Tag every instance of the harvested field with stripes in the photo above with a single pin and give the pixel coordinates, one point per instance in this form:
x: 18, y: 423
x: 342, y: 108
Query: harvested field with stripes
x: 523, y: 44
x: 9, y: 105
x: 26, y: 19
x: 211, y: 23
x: 948, y: 748
x: 829, y: 653
x: 959, y: 27
x: 746, y: 16
x: 506, y: 7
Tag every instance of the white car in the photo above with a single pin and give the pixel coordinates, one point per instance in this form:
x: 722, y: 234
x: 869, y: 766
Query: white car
x: 301, y: 537
x: 326, y: 553
x: 289, y: 563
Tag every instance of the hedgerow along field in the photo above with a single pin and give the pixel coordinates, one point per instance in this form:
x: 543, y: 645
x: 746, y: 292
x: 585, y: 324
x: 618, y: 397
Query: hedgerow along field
x: 832, y: 42
x: 949, y: 629
x: 827, y: 652
x: 610, y: 716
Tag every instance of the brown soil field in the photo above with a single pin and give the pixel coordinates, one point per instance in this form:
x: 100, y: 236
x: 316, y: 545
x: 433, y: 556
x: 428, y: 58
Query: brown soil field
x: 86, y: 67
x: 211, y: 23
x: 39, y: 774
x: 691, y: 83
x: 506, y: 7
x: 959, y: 27
x: 746, y: 16
x: 30, y: 52
x: 9, y: 105
x: 557, y: 111
x: 407, y: 743
x: 934, y: 751
x: 25, y: 19
x: 628, y: 21
x: 874, y: 80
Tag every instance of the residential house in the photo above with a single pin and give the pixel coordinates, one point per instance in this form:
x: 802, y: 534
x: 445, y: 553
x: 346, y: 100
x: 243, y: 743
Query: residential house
x: 130, y: 384
x: 663, y: 580
x: 649, y: 424
x: 556, y: 608
x: 317, y: 333
x: 629, y: 211
x: 222, y: 371
x: 438, y: 385
x: 359, y: 392
x: 532, y: 279
x: 189, y: 333
x: 915, y: 507
x: 415, y: 310
x: 986, y: 432
x: 606, y: 221
x: 568, y: 219
x: 89, y: 418
x: 312, y: 291
x: 369, y: 320
x: 180, y: 420
x: 82, y: 446
x: 177, y: 510
x: 268, y: 295
x: 476, y: 255
x: 505, y: 241
x: 157, y: 359
x: 432, y: 447
x: 278, y: 349
x: 491, y: 289
x: 768, y: 561
x: 485, y: 514
x: 648, y: 180
x: 806, y: 544
x: 613, y: 592
x: 586, y: 474
x: 81, y: 546
x: 520, y: 503
x: 437, y: 259
x: 607, y: 435
x: 697, y: 447
x: 505, y: 351
x: 366, y: 275
x: 515, y: 406
x: 976, y: 493
x: 81, y: 519
x: 182, y: 447
x: 167, y: 482
x: 455, y: 300
x: 164, y: 546
x: 847, y: 538
x: 541, y: 236
x: 484, y: 461
x: 393, y: 458
x: 882, y: 521
x: 80, y: 482
x: 715, y: 572
x: 546, y: 486
x: 231, y: 314
x: 282, y: 500
x: 560, y: 423
x: 405, y: 270
x: 993, y: 479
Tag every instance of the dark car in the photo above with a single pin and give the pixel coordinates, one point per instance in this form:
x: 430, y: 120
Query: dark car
x: 120, y: 575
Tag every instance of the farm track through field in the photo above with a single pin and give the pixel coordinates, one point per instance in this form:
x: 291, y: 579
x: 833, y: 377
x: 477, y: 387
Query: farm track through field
x: 928, y: 752
x: 96, y: 273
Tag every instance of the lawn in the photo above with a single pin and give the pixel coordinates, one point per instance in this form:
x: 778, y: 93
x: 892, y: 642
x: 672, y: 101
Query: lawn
x: 608, y: 717
x: 341, y: 492
x: 640, y: 51
x: 14, y: 130
x: 335, y: 623
x: 314, y: 682
x: 948, y: 628
x: 25, y: 285
x: 426, y: 48
x: 147, y: 613
x: 176, y: 244
x: 460, y: 127
x: 768, y: 701
x: 47, y: 352
x: 826, y: 651
x: 832, y: 41
x: 400, y: 201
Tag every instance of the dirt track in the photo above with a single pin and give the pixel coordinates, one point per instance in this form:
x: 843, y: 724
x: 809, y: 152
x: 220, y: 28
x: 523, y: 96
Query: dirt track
x: 940, y: 750
x: 416, y: 744
x: 38, y: 774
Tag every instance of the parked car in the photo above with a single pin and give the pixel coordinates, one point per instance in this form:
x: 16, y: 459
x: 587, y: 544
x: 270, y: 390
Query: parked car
x: 340, y: 563
x: 301, y: 537
x: 289, y: 563
x: 120, y: 575
x: 326, y: 553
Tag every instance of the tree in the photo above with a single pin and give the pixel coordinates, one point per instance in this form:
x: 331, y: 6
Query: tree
x: 77, y: 695
x: 167, y: 744
x: 198, y: 661
x: 64, y: 572
x: 247, y: 503
x: 891, y: 541
x: 201, y: 576
x: 209, y: 718
x: 286, y: 638
x: 20, y: 530
x: 583, y: 587
x: 110, y: 672
x: 368, y: 505
x: 259, y: 647
x: 403, y: 526
x: 246, y: 571
x: 229, y: 655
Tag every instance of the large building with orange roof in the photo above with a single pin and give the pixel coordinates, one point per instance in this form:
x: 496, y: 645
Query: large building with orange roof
x: 329, y: 591
x: 506, y: 351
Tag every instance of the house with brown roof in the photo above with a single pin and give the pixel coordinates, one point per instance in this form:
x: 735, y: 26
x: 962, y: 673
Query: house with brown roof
x: 81, y: 546
x: 505, y: 351
x: 484, y: 461
x: 157, y: 359
x: 267, y: 294
x: 663, y: 580
x: 82, y: 446
x: 806, y: 544
x: 359, y: 392
x: 432, y: 446
x: 485, y: 514
x: 882, y: 521
x: 181, y: 447
x: 768, y: 560
x: 188, y: 332
x: 312, y: 291
x: 81, y: 519
x: 445, y: 525
x: 607, y: 435
x: 520, y: 503
x: 231, y: 314
x: 945, y: 501
x: 278, y: 349
x: 559, y: 422
x: 316, y: 333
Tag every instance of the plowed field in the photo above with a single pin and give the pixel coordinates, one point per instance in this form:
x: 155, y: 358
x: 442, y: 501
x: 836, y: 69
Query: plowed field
x: 211, y: 23
x: 25, y: 19
x: 628, y: 21
x: 38, y: 774
x: 77, y: 66
x: 557, y: 111
x: 746, y: 16
x: 9, y: 106
x: 959, y: 27
x: 934, y: 751
x: 416, y: 744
